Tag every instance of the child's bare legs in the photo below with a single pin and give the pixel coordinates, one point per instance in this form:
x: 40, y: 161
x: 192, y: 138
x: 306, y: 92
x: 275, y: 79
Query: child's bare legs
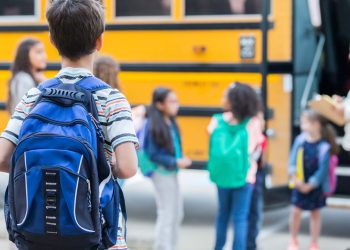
x: 294, y: 226
x: 294, y: 223
x: 315, y: 226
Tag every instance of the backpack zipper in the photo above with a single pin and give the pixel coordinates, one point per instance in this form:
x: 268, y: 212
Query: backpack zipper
x: 62, y: 168
x: 97, y: 126
x: 45, y: 119
x: 77, y: 139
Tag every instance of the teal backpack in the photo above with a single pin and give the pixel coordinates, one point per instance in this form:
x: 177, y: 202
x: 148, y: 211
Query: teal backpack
x: 146, y: 166
x: 228, y: 154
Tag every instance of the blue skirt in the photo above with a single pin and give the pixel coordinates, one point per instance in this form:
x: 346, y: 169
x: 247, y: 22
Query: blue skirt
x: 311, y: 201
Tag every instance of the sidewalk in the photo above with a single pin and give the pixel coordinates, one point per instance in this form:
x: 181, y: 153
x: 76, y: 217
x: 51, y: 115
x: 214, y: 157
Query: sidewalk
x: 5, y: 244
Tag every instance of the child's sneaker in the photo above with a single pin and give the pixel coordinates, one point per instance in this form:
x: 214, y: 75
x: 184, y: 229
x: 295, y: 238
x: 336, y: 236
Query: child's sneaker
x: 314, y: 246
x: 293, y: 245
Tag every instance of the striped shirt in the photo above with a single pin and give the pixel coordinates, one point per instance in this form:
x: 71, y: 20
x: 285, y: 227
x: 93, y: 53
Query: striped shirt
x: 114, y: 113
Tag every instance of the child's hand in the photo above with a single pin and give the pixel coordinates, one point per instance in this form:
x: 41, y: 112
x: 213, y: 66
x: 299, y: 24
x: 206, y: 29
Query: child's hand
x: 306, y: 188
x: 338, y: 104
x: 337, y: 98
x: 184, y: 162
x: 298, y: 183
x: 295, y: 182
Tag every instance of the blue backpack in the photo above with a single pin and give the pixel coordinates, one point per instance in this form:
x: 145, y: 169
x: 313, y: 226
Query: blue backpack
x: 61, y: 192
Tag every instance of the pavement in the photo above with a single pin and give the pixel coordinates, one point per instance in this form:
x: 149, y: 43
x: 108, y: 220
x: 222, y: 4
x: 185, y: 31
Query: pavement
x: 197, y: 232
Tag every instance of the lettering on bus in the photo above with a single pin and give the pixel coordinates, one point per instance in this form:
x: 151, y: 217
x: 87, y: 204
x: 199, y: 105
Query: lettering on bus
x: 222, y: 7
x: 17, y: 8
x: 201, y: 84
x: 142, y: 8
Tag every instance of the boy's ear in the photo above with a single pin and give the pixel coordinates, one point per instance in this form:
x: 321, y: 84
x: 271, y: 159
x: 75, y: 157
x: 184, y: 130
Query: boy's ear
x: 99, y: 42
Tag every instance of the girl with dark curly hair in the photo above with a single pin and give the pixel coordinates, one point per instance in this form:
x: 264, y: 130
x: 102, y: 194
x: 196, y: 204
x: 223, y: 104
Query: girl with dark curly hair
x: 235, y: 135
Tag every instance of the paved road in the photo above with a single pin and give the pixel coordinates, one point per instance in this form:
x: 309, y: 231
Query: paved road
x: 200, y: 206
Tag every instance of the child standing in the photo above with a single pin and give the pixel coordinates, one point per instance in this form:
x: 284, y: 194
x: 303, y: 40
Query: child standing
x: 235, y: 135
x: 163, y: 146
x: 257, y: 202
x: 27, y: 70
x: 107, y: 70
x: 308, y: 170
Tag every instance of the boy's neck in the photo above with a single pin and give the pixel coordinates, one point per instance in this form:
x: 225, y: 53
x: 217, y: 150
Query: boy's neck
x: 85, y: 62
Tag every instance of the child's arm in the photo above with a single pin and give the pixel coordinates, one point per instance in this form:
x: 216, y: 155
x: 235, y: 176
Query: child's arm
x: 7, y: 149
x: 159, y: 156
x: 9, y: 138
x: 121, y: 134
x: 212, y: 125
x: 255, y: 135
x: 292, y: 165
x: 126, y: 161
x: 294, y: 182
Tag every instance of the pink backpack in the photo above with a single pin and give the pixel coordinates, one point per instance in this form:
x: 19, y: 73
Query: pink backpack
x: 332, y: 176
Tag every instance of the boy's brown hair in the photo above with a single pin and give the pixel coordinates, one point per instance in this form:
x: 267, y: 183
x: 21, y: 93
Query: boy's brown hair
x: 75, y: 26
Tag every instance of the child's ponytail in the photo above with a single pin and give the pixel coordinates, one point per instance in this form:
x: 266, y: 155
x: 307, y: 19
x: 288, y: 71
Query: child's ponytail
x: 329, y: 134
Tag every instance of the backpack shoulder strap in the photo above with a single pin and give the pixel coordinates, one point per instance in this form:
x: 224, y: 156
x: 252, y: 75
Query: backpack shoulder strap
x: 93, y: 84
x: 219, y: 117
x: 88, y: 86
x: 50, y: 83
x: 323, y: 148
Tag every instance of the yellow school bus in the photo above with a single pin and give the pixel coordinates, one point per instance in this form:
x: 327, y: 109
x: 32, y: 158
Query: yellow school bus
x: 197, y: 48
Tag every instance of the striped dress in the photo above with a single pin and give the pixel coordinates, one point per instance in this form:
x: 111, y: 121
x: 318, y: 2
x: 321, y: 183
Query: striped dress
x: 114, y: 115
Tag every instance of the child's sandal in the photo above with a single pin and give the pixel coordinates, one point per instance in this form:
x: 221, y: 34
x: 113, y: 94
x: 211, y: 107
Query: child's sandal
x: 293, y: 245
x: 314, y: 246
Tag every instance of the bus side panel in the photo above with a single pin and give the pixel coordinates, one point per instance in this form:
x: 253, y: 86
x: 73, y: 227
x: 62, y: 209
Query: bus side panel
x: 279, y: 100
x: 4, y: 116
x: 194, y: 89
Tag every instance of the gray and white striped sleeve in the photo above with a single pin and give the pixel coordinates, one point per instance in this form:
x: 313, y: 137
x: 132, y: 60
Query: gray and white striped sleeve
x: 20, y: 113
x: 119, y: 123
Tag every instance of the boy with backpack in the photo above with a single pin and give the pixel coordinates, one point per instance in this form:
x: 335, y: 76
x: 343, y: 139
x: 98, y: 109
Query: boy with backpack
x: 62, y: 193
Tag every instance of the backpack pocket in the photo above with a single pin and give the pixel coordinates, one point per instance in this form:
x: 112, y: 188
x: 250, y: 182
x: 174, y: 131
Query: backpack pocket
x: 8, y: 216
x: 228, y: 162
x: 52, y: 193
x: 111, y: 215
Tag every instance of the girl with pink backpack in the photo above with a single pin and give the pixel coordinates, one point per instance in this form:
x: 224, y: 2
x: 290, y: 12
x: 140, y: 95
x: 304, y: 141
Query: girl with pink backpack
x: 312, y: 166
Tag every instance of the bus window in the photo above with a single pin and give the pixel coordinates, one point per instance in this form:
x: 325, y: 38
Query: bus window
x: 222, y: 7
x: 130, y: 8
x: 17, y: 8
